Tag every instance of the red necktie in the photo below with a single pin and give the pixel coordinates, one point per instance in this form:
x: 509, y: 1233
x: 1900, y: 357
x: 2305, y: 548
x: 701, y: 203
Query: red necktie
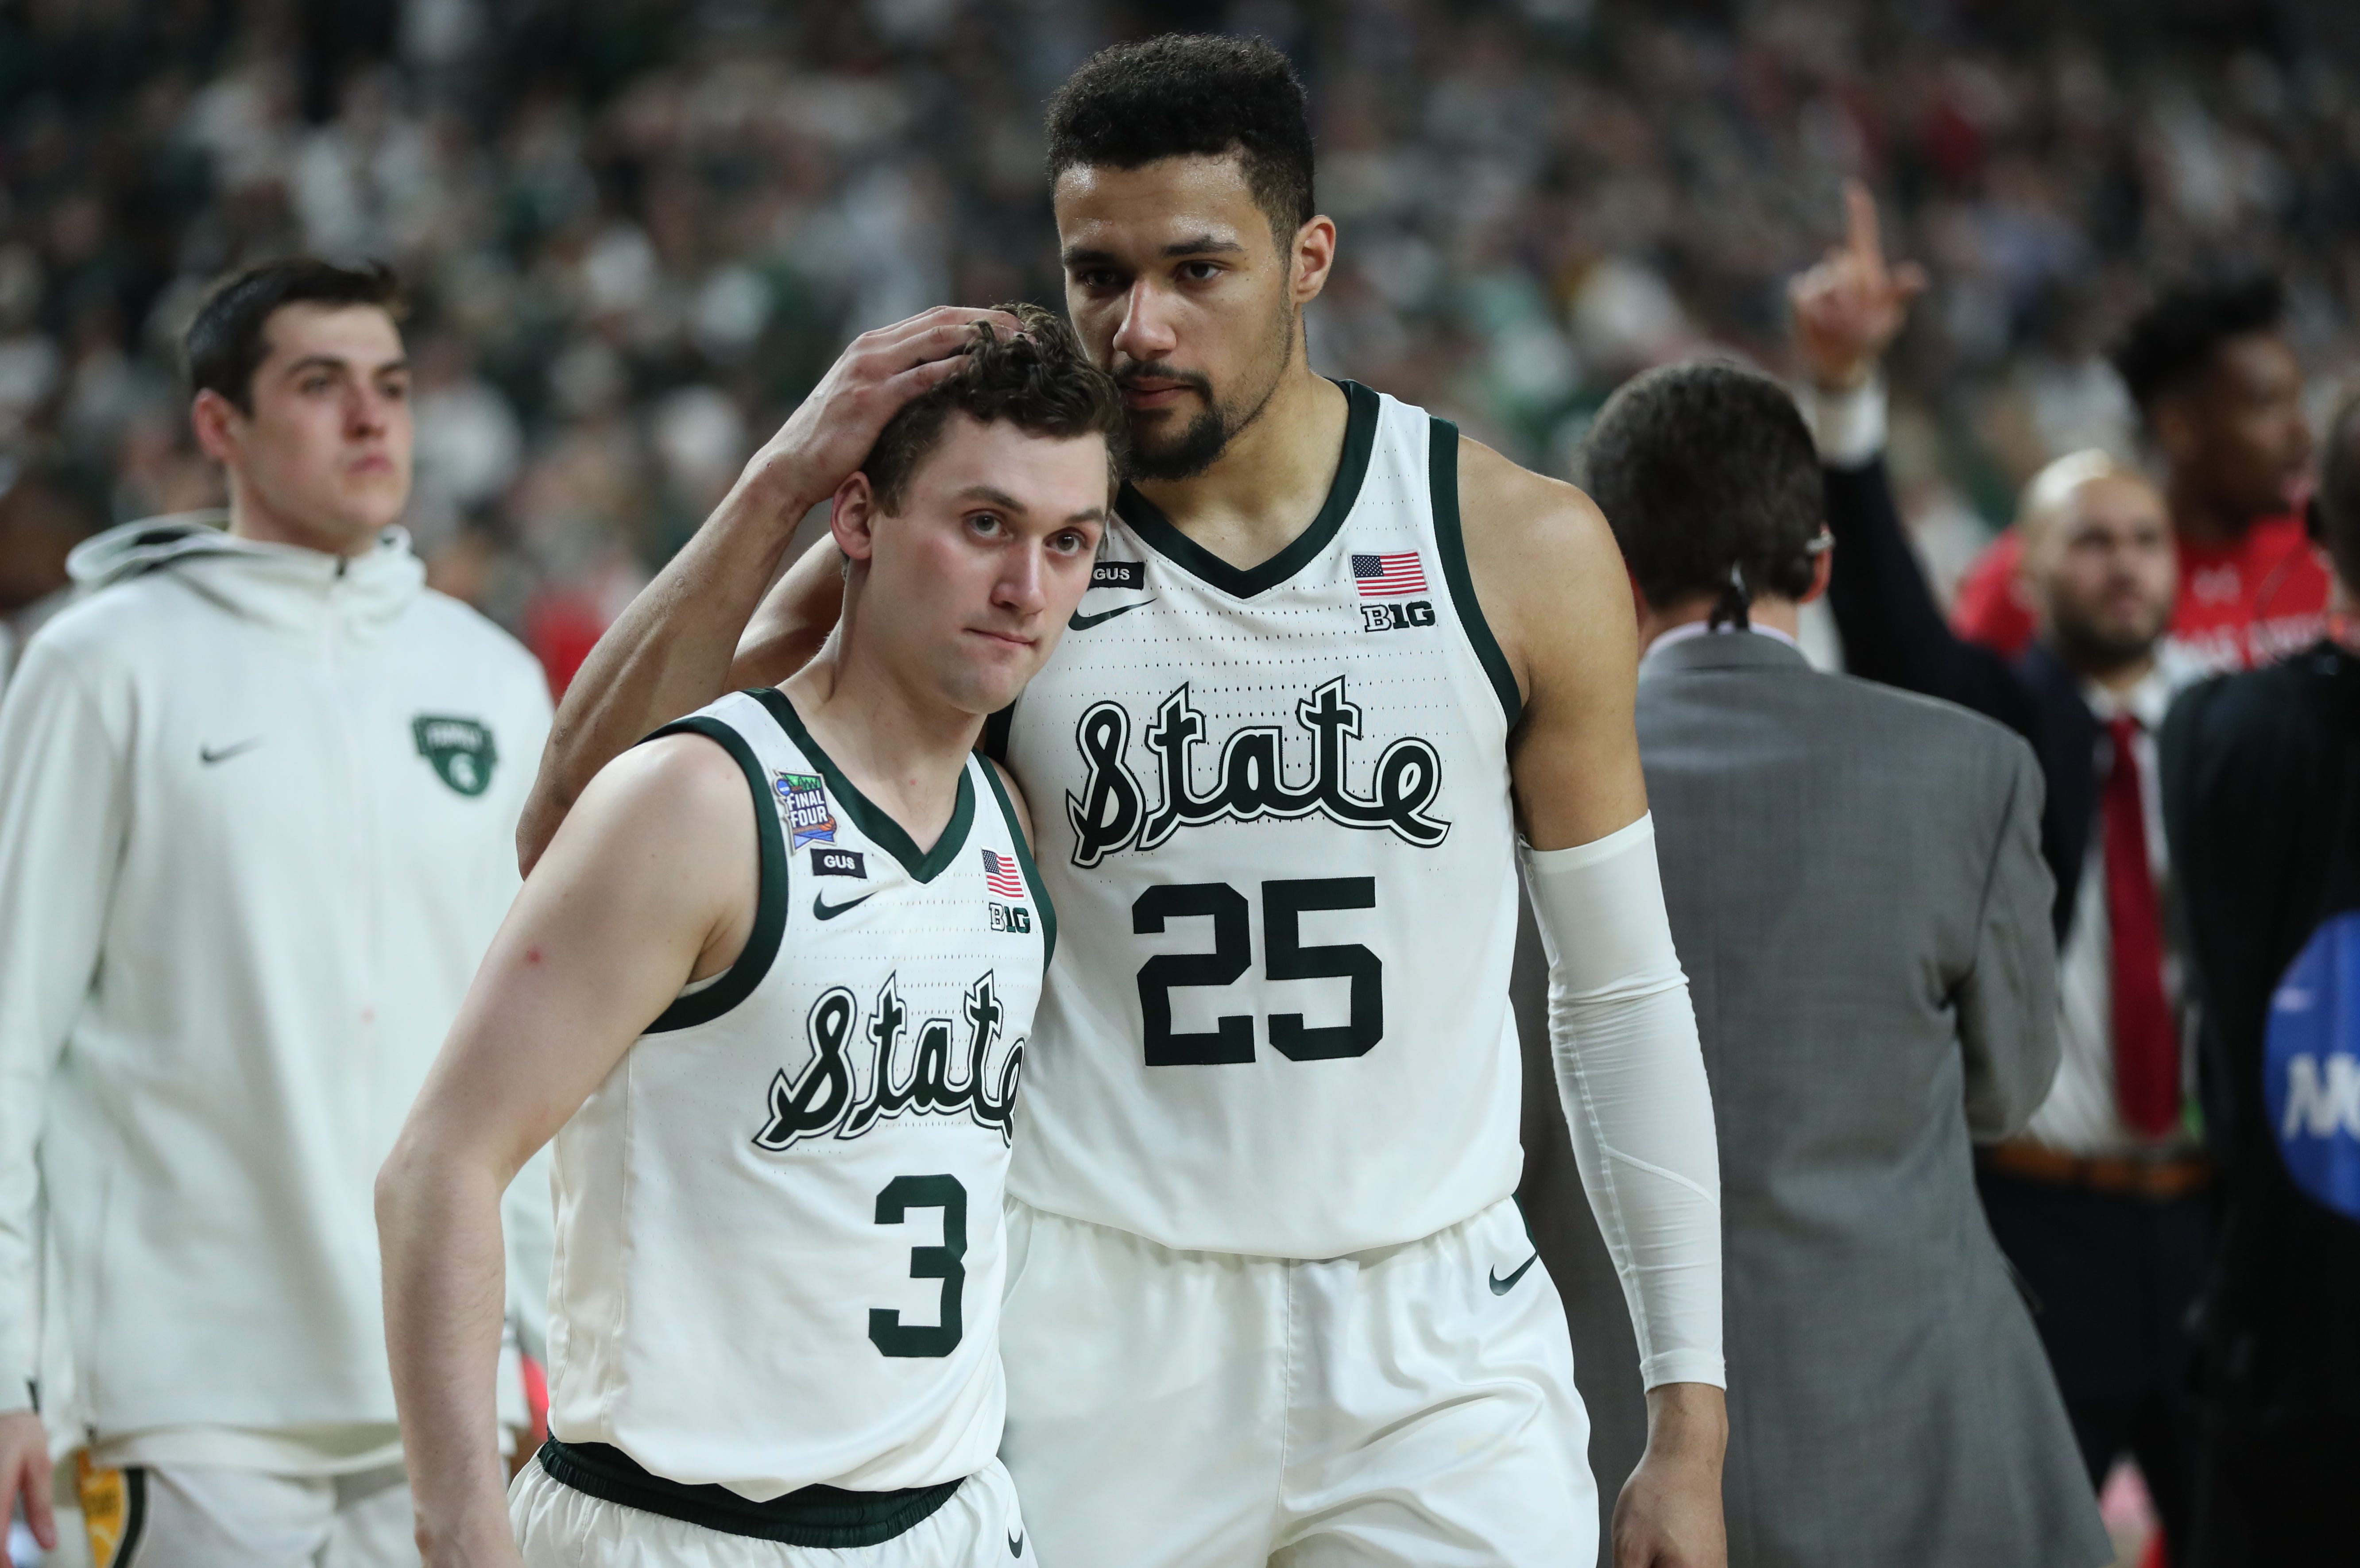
x: 2147, y: 1048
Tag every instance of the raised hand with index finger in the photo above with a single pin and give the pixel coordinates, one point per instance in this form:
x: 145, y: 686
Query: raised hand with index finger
x: 1850, y: 305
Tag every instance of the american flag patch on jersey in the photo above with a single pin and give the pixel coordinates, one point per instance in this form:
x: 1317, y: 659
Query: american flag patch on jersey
x: 1003, y: 877
x: 1388, y: 576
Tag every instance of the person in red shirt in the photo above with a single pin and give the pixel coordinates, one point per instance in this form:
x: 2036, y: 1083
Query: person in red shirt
x: 2220, y: 393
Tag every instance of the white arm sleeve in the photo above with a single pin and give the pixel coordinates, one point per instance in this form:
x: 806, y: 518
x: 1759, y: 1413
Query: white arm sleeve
x: 1632, y: 1078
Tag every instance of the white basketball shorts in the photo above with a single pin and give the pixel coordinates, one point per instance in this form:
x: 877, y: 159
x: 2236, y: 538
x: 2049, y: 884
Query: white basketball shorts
x: 1412, y: 1406
x: 558, y: 1527
x: 201, y: 1516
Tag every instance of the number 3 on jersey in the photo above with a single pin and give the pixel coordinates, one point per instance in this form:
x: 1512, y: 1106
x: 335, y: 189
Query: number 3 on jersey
x: 1285, y: 958
x: 946, y: 1263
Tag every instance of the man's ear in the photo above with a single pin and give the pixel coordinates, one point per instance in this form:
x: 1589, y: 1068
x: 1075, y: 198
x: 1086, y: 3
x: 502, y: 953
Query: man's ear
x: 853, y: 518
x: 1823, y: 565
x: 1313, y: 255
x: 215, y: 419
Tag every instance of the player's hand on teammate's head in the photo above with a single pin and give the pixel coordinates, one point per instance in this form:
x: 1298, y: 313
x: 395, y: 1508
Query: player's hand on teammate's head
x: 829, y: 434
x: 1852, y: 304
x: 25, y: 1473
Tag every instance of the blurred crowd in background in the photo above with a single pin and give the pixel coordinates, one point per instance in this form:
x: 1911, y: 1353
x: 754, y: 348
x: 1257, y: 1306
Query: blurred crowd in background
x: 636, y: 230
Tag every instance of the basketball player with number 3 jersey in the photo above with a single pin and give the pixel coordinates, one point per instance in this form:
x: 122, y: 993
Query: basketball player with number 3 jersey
x: 1339, y: 670
x: 770, y: 991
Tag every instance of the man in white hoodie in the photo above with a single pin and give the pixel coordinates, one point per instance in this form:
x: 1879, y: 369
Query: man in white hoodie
x: 259, y: 789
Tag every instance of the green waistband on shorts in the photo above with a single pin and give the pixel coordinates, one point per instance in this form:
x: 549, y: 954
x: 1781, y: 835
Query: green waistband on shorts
x: 809, y: 1516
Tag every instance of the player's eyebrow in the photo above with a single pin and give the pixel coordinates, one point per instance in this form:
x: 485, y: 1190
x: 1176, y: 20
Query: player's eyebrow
x: 1206, y: 243
x: 1201, y: 244
x: 335, y: 362
x: 1007, y: 503
x: 991, y: 498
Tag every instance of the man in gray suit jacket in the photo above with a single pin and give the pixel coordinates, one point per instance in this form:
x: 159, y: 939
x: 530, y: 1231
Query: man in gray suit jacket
x: 1855, y: 884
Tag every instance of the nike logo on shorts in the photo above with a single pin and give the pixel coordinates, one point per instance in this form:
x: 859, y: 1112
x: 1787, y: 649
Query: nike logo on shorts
x: 1016, y: 1544
x: 1501, y: 1287
x: 1082, y: 623
x: 823, y: 910
x: 208, y: 756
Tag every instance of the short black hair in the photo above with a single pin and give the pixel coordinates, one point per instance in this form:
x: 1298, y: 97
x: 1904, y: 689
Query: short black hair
x: 2339, y: 493
x: 1185, y: 94
x: 1705, y: 466
x: 2173, y: 340
x: 226, y: 344
x: 1039, y: 380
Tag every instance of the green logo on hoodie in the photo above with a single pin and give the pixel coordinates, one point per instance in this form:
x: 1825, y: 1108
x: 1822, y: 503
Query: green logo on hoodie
x: 460, y: 749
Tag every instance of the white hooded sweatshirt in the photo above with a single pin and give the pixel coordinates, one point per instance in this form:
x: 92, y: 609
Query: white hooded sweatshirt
x: 257, y: 808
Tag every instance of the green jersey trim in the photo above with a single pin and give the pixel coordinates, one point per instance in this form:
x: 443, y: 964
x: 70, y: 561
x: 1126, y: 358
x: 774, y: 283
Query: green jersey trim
x: 1024, y: 859
x: 1450, y: 543
x: 822, y: 1517
x: 1359, y: 439
x: 737, y: 982
x: 887, y: 834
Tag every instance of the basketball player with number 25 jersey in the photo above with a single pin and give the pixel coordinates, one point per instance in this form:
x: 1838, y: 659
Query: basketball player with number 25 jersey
x: 1270, y: 1301
x: 770, y: 991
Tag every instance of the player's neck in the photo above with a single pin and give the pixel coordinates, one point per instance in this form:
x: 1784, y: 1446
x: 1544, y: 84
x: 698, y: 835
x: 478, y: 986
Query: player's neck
x: 253, y: 518
x: 901, y: 747
x: 2198, y: 520
x: 1272, y: 479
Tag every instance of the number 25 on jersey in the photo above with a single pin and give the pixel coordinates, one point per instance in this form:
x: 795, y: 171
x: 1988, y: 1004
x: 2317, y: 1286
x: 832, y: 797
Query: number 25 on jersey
x: 1284, y: 958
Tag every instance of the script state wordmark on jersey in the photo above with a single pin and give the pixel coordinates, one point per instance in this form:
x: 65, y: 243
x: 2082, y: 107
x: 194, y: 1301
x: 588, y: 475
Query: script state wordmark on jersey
x: 827, y: 1094
x: 1111, y: 812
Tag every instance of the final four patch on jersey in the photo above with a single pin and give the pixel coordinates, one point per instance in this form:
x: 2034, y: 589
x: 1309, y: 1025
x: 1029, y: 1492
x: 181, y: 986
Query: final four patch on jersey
x: 460, y: 749
x: 113, y: 1510
x: 805, y: 799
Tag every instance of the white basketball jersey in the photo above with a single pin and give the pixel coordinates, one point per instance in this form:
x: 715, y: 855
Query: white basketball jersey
x: 778, y: 1222
x: 1273, y: 809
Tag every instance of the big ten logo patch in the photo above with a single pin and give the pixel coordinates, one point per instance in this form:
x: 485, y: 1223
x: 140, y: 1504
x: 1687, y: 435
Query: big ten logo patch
x: 1013, y: 918
x: 804, y: 800
x: 1395, y: 617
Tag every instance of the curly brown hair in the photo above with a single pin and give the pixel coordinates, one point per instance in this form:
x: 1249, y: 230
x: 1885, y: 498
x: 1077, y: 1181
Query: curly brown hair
x: 1038, y: 380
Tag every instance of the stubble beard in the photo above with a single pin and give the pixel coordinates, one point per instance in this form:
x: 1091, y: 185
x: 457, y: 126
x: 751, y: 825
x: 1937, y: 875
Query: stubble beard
x: 1208, y: 435
x: 2100, y: 650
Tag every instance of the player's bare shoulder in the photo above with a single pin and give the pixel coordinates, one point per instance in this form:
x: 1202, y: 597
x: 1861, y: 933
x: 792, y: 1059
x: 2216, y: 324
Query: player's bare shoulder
x: 674, y: 815
x: 1544, y: 565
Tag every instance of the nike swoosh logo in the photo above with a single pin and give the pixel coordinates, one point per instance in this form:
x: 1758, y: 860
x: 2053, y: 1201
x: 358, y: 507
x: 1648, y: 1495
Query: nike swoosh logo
x: 1016, y: 1544
x: 823, y: 910
x: 1082, y: 623
x: 208, y: 756
x: 1501, y: 1287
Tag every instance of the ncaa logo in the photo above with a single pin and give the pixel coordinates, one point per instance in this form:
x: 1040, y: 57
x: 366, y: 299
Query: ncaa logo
x: 2310, y: 1066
